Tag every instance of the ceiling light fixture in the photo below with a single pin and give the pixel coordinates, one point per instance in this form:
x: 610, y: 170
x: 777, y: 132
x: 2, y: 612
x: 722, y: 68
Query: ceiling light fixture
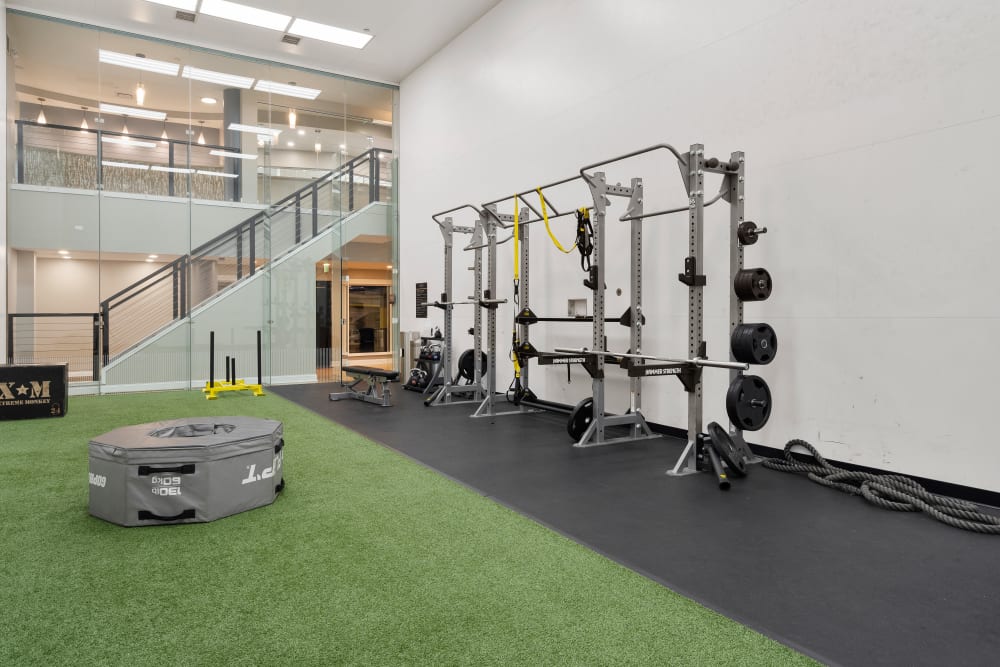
x: 329, y: 33
x: 241, y: 156
x: 140, y: 93
x: 186, y: 5
x: 154, y: 256
x: 128, y: 142
x: 291, y: 144
x: 201, y: 135
x: 221, y: 78
x: 343, y: 146
x: 289, y: 89
x: 63, y: 252
x: 66, y: 257
x: 208, y: 100
x: 317, y: 147
x: 205, y: 172
x: 242, y: 13
x: 172, y: 170
x: 148, y: 114
x: 239, y: 127
x: 292, y: 117
x: 41, y: 120
x: 83, y: 123
x: 137, y: 62
x: 383, y: 123
x: 164, y: 138
x: 125, y: 128
x: 302, y: 133
x: 126, y: 165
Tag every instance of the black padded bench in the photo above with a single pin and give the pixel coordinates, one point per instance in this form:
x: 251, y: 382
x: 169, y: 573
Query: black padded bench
x: 377, y: 379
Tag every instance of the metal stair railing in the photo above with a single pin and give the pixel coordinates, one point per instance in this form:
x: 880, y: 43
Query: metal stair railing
x: 169, y: 293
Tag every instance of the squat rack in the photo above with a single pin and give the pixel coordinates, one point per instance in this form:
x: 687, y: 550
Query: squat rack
x: 692, y: 165
x: 475, y: 392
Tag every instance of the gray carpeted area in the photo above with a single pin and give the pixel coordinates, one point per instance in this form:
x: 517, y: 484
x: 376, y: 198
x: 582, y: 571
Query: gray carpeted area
x: 823, y: 572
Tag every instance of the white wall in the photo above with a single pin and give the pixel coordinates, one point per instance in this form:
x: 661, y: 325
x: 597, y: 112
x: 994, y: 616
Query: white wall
x: 868, y: 129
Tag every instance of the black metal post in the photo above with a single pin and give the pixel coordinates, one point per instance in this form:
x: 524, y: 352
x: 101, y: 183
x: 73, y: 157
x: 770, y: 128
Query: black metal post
x: 315, y: 207
x: 350, y: 186
x: 233, y: 362
x: 95, y: 347
x: 239, y: 252
x: 106, y: 337
x: 176, y: 290
x: 372, y: 176
x: 185, y: 267
x: 227, y: 368
x: 10, y: 337
x: 298, y: 217
x: 211, y: 360
x: 100, y: 160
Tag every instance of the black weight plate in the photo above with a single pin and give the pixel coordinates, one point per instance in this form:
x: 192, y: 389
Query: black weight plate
x: 754, y: 343
x: 723, y: 444
x: 580, y: 418
x: 467, y: 365
x: 753, y: 284
x: 748, y: 402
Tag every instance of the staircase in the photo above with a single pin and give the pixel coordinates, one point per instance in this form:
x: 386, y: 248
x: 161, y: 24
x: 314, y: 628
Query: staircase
x: 152, y: 305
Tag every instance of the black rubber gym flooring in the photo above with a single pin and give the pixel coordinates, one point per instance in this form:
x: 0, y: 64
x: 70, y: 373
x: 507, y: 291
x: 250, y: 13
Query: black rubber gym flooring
x: 823, y: 572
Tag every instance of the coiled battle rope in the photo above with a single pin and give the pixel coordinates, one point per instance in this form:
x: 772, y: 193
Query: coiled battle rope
x: 891, y: 492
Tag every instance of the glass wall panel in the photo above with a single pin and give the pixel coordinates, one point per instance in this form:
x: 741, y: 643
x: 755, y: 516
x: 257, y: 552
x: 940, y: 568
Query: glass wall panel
x: 164, y: 194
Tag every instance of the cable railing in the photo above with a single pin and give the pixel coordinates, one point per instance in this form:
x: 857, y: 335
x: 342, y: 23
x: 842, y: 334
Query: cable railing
x: 170, y: 293
x: 56, y: 338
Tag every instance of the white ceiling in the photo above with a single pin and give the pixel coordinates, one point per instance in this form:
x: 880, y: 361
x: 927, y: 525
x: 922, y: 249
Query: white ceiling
x: 406, y: 32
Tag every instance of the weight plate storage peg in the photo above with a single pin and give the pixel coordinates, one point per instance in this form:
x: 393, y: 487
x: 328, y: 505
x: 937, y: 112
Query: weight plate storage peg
x: 580, y: 418
x: 723, y: 444
x: 752, y: 284
x: 754, y: 343
x: 748, y: 402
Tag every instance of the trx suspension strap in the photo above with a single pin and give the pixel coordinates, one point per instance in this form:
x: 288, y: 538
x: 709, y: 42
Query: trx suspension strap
x: 545, y: 216
x: 584, y: 237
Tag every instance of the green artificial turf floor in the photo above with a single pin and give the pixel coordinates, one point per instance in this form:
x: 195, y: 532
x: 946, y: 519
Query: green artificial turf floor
x: 366, y: 558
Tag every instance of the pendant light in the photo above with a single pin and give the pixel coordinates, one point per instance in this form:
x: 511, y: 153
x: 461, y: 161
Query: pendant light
x: 291, y: 118
x: 125, y: 127
x: 201, y: 135
x: 83, y: 123
x: 140, y: 93
x: 41, y: 120
x: 163, y: 137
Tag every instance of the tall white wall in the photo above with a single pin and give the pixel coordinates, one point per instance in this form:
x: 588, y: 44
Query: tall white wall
x: 868, y: 129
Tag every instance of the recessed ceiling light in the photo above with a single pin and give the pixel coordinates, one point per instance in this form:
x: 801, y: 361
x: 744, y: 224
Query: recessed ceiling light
x: 221, y: 78
x: 133, y: 112
x: 329, y: 33
x: 242, y: 156
x: 137, y: 62
x: 343, y: 146
x: 186, y: 5
x: 267, y: 131
x: 384, y: 123
x: 64, y: 252
x: 205, y: 172
x: 302, y: 133
x: 78, y: 228
x: 291, y: 144
x: 244, y: 14
x: 287, y: 89
x: 153, y: 256
x: 126, y: 165
x: 66, y: 257
x: 148, y: 260
x: 208, y: 100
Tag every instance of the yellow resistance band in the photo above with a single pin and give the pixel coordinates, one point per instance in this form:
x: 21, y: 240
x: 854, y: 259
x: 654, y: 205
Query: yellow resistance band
x: 545, y: 216
x: 517, y: 256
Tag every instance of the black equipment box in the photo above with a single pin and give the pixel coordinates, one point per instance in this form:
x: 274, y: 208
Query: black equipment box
x: 30, y: 391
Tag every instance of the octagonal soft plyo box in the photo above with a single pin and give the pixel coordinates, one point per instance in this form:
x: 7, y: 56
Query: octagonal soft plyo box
x: 185, y: 470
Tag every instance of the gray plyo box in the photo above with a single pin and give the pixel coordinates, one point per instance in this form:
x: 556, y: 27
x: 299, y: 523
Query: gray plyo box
x: 185, y: 470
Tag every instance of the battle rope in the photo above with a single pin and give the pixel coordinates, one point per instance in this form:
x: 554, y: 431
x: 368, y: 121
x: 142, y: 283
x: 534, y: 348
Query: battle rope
x: 891, y: 492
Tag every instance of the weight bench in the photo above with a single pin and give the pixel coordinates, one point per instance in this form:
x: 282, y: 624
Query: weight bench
x: 377, y: 379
